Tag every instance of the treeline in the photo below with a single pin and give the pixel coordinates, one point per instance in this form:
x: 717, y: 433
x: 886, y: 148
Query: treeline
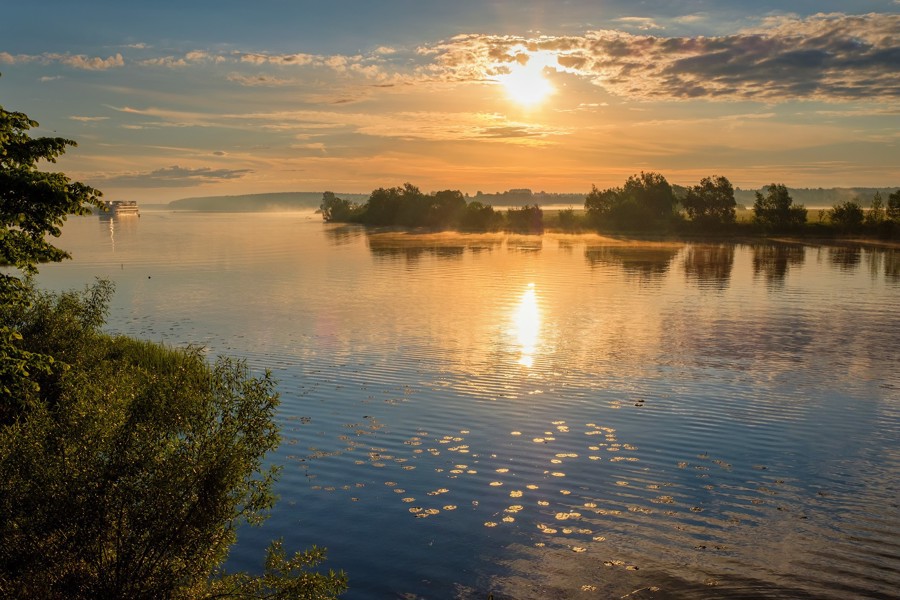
x: 820, y: 197
x: 408, y: 206
x: 645, y: 203
x: 525, y: 197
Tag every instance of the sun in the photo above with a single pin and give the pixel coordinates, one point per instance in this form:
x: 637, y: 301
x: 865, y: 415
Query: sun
x: 526, y: 84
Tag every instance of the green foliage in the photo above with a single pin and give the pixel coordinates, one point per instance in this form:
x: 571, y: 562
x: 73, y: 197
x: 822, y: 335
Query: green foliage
x: 125, y: 467
x: 284, y: 579
x: 480, y: 217
x: 446, y: 209
x: 652, y: 193
x: 893, y: 206
x: 601, y: 205
x: 876, y: 214
x: 34, y: 204
x: 126, y: 473
x: 395, y: 206
x: 711, y: 202
x: 45, y: 333
x: 847, y: 217
x: 568, y: 220
x: 528, y: 219
x: 776, y: 211
x: 646, y: 201
x: 408, y: 206
x: 337, y: 209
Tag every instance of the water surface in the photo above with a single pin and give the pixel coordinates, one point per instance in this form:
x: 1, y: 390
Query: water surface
x: 537, y: 417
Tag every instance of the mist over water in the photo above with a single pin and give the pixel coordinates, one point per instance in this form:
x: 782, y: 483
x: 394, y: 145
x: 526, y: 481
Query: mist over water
x: 544, y: 417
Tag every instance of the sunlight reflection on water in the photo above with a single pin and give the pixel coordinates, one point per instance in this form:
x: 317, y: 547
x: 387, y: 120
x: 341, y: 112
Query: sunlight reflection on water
x: 527, y: 326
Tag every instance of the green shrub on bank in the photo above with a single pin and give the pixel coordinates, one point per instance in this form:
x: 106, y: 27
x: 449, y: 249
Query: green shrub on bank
x: 127, y: 467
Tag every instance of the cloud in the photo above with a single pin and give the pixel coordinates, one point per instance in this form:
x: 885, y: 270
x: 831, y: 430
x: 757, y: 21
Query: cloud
x: 87, y: 119
x: 690, y: 19
x: 832, y: 57
x: 175, y: 176
x: 164, y: 61
x: 192, y: 57
x: 316, y: 146
x: 367, y: 66
x: 437, y: 126
x: 642, y: 23
x: 258, y: 80
x: 510, y: 131
x: 77, y: 61
x: 412, y: 125
x: 276, y: 59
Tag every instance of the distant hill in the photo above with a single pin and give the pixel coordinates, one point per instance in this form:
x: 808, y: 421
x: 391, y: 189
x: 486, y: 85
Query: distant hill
x: 279, y: 201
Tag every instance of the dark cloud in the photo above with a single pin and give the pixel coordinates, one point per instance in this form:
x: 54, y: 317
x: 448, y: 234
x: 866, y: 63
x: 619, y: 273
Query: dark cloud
x: 176, y: 176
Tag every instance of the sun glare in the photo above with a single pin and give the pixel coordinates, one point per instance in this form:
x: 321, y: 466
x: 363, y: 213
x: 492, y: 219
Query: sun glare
x: 527, y: 326
x: 526, y: 84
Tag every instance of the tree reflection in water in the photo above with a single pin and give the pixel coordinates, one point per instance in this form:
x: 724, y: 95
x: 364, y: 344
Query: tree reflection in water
x: 709, y: 266
x: 772, y: 261
x: 647, y: 263
x: 846, y: 258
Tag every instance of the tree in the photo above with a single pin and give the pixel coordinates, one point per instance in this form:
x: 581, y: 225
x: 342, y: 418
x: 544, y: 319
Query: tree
x: 33, y: 205
x: 446, y: 210
x: 127, y: 473
x: 480, y: 217
x: 711, y: 202
x: 646, y: 201
x: 776, y: 210
x: 568, y: 220
x: 414, y: 207
x: 652, y: 193
x: 337, y: 209
x: 125, y: 467
x: 528, y: 219
x: 847, y: 216
x: 876, y: 214
x: 405, y: 205
x: 601, y: 205
x: 893, y: 207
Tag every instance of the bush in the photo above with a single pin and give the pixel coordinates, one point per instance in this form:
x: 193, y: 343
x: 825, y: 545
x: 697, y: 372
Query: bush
x: 480, y: 217
x: 528, y: 219
x: 776, y: 210
x: 847, y: 217
x: 126, y: 467
x: 568, y: 220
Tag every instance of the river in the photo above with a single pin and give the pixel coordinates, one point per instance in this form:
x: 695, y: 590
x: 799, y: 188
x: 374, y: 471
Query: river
x: 557, y: 416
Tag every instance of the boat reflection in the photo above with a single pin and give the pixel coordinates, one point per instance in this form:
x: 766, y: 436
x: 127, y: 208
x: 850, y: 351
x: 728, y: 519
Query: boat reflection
x: 113, y: 226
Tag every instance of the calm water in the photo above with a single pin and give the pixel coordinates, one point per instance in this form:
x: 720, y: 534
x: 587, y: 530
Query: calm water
x: 555, y: 417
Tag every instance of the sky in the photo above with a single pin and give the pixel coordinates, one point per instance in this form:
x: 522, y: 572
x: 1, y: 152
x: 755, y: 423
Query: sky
x: 195, y: 98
